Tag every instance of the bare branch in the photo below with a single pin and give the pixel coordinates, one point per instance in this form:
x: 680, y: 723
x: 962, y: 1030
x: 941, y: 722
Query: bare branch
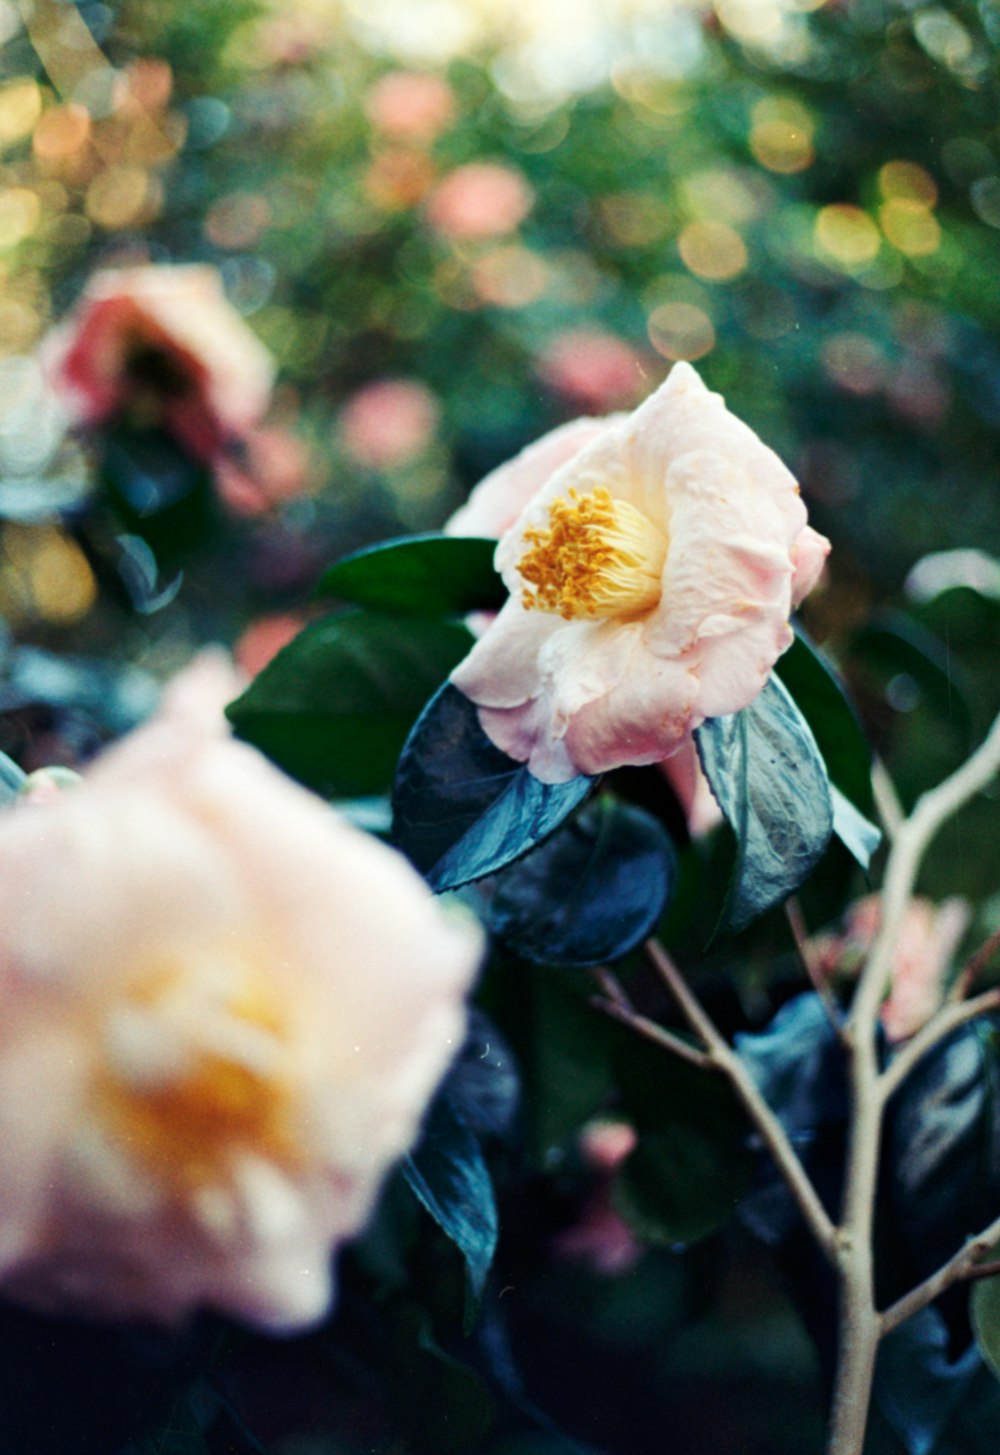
x: 961, y: 1265
x: 764, y: 1121
x: 948, y: 1019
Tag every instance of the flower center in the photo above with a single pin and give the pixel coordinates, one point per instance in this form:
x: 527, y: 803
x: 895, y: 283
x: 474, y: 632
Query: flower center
x: 192, y: 1080
x: 598, y: 557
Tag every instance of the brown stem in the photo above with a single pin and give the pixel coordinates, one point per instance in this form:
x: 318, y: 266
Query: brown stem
x: 764, y: 1121
x: 961, y: 1265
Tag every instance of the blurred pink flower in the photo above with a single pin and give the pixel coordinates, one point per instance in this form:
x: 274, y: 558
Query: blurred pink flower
x: 600, y: 1236
x: 592, y: 368
x: 479, y: 200
x: 215, y: 1040
x: 264, y: 639
x: 410, y: 106
x: 651, y: 577
x: 387, y: 423
x: 261, y: 471
x: 163, y: 344
x: 928, y: 939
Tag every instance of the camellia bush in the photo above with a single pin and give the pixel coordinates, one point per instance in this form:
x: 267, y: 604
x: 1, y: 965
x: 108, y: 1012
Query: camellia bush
x: 499, y: 937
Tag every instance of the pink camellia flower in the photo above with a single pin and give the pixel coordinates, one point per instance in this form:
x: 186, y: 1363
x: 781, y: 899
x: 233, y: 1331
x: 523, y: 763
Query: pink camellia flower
x: 479, y: 200
x: 592, y: 368
x: 214, y: 1038
x: 928, y: 939
x: 411, y: 106
x: 162, y: 344
x: 387, y: 423
x: 651, y: 580
x: 262, y: 471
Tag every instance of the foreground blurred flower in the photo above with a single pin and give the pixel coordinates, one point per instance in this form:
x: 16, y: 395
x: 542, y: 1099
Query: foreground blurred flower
x: 479, y: 200
x: 928, y: 939
x: 163, y: 346
x: 215, y: 1040
x: 651, y: 577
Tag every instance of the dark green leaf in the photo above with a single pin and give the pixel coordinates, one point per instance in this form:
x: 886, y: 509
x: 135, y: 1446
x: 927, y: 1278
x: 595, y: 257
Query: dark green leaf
x: 692, y: 1163
x: 677, y: 1186
x: 985, y: 1308
x: 591, y: 892
x: 771, y: 783
x: 895, y: 645
x: 461, y: 808
x: 333, y: 708
x: 822, y: 699
x: 449, y: 1176
x: 430, y: 575
x: 444, y: 1406
x: 857, y: 833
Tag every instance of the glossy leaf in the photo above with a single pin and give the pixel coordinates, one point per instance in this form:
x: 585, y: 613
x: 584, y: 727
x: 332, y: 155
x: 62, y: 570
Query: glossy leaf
x: 591, y: 893
x: 822, y: 699
x: 334, y: 706
x: 461, y: 808
x: 449, y: 1176
x: 766, y: 772
x: 858, y: 834
x: 430, y: 575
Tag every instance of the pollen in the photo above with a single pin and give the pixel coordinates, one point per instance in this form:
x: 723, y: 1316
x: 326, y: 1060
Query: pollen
x: 597, y: 557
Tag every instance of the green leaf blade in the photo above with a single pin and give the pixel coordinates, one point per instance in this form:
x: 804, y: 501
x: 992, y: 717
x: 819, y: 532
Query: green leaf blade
x: 428, y: 575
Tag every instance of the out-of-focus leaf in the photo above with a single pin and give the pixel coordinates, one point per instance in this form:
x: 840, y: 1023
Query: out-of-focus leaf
x: 445, y: 1407
x: 692, y: 1163
x: 429, y: 575
x: 461, y: 808
x: 449, y: 1176
x: 936, y: 1402
x: 160, y: 492
x: 482, y: 1085
x: 822, y: 699
x: 677, y: 1186
x: 334, y: 706
x: 943, y: 1147
x: 767, y: 774
x: 798, y: 1065
x: 985, y: 1310
x: 11, y: 780
x: 591, y: 893
x: 894, y: 644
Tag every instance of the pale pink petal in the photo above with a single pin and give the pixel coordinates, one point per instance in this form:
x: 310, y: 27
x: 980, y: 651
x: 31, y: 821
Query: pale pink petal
x: 809, y: 555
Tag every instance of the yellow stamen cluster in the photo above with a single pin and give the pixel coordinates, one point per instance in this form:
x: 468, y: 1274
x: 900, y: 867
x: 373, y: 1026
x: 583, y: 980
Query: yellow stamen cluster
x: 598, y: 557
